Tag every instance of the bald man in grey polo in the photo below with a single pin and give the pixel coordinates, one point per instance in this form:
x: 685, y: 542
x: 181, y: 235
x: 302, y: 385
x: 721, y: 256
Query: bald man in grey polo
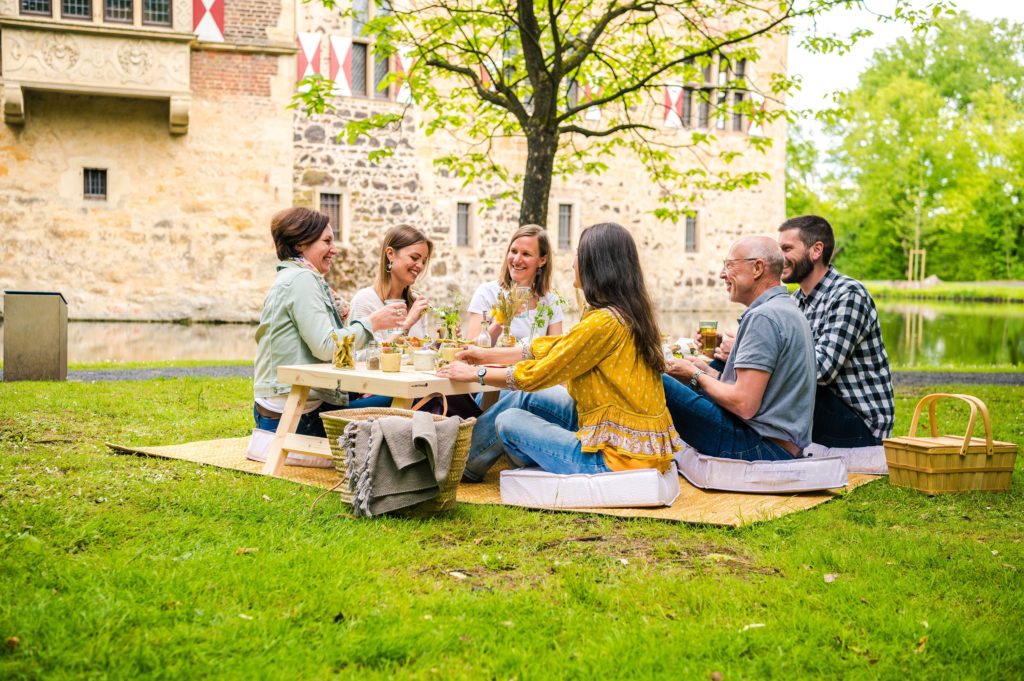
x: 775, y: 337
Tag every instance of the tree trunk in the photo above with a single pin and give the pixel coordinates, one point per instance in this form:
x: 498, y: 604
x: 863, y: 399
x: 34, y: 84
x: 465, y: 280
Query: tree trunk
x: 541, y: 146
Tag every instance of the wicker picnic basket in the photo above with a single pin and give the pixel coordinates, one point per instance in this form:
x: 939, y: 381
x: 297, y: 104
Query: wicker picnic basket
x: 334, y: 425
x: 946, y: 463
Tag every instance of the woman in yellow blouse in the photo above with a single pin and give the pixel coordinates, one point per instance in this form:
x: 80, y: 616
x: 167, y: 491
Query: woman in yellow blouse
x: 611, y: 414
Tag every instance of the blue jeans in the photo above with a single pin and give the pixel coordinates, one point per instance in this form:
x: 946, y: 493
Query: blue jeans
x: 714, y: 431
x: 534, y: 429
x: 310, y: 424
x: 836, y: 425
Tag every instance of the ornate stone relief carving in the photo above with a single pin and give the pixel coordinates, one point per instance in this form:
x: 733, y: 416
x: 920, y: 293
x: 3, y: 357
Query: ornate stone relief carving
x: 134, y: 58
x: 9, y: 7
x: 95, y: 62
x: 60, y: 51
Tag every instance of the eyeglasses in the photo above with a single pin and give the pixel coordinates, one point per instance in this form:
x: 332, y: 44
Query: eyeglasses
x: 727, y: 261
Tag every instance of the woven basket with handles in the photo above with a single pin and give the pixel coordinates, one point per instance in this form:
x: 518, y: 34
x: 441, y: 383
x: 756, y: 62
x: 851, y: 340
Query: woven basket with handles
x: 335, y: 422
x: 946, y: 463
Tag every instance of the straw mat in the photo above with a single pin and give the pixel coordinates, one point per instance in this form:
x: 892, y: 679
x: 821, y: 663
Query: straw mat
x: 693, y: 505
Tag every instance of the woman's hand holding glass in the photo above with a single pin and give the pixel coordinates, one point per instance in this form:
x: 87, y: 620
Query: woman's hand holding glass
x: 388, y: 317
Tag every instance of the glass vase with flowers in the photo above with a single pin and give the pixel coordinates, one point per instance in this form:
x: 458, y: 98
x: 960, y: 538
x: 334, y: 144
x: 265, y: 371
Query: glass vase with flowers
x: 510, y: 303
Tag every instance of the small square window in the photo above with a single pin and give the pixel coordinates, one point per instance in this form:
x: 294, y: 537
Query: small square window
x: 156, y: 12
x: 330, y: 205
x: 565, y: 226
x: 118, y: 11
x: 36, y: 7
x: 690, y: 239
x: 462, y: 224
x: 95, y: 185
x: 76, y: 9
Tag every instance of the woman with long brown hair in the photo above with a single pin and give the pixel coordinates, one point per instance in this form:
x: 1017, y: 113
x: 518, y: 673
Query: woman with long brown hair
x: 611, y: 414
x: 528, y: 262
x: 404, y: 255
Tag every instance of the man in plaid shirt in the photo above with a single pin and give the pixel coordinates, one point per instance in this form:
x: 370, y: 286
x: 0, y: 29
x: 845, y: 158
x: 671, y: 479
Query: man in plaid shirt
x: 854, y: 401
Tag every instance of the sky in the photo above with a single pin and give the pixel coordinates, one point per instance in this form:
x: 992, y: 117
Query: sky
x: 824, y: 74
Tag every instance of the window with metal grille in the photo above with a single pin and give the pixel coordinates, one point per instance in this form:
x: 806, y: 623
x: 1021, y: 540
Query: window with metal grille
x: 36, y: 7
x: 704, y: 109
x: 380, y: 74
x: 76, y: 9
x: 737, y: 115
x: 359, y: 51
x: 564, y: 226
x: 156, y: 12
x: 690, y: 238
x: 462, y: 224
x: 687, y: 107
x: 330, y: 205
x: 95, y: 183
x: 118, y: 11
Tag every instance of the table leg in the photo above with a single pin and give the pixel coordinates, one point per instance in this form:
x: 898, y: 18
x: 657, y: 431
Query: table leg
x: 285, y: 427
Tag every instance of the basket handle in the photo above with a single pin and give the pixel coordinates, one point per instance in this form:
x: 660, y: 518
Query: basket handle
x: 976, y: 406
x: 444, y: 403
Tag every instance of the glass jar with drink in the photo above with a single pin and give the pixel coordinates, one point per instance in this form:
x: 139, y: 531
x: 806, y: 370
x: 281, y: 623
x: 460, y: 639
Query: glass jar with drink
x: 709, y: 338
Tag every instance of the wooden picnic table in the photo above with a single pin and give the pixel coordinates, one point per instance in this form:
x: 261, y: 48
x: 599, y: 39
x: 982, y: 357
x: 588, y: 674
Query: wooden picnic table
x: 403, y: 387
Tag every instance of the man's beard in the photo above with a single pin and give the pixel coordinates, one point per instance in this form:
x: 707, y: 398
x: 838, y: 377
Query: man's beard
x: 801, y: 270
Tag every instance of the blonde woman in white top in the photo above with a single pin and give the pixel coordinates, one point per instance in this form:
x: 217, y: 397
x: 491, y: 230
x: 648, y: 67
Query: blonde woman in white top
x: 404, y: 255
x: 527, y: 263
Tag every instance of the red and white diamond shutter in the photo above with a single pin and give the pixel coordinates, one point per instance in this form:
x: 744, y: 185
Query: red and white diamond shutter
x: 309, y: 55
x: 208, y: 20
x: 341, y: 65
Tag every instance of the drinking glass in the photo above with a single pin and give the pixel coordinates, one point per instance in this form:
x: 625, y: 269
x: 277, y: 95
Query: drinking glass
x: 395, y: 301
x: 708, y: 337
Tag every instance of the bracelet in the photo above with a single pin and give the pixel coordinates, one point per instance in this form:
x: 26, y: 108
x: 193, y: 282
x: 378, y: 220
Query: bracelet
x: 510, y: 379
x: 693, y: 379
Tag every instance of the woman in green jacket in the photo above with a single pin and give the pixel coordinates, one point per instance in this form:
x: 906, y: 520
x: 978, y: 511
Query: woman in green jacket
x: 300, y: 319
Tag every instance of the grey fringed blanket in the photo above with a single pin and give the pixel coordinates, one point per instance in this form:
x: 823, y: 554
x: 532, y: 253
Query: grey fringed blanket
x: 394, y: 461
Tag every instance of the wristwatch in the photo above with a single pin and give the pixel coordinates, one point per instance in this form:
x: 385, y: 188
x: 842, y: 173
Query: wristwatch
x: 693, y: 379
x: 481, y: 374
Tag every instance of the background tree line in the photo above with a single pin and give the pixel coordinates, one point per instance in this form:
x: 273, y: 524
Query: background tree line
x: 930, y: 142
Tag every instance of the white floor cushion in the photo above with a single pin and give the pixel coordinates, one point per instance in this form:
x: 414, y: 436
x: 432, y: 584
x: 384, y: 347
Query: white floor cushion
x: 259, y: 445
x: 765, y: 477
x: 869, y: 460
x: 536, y: 488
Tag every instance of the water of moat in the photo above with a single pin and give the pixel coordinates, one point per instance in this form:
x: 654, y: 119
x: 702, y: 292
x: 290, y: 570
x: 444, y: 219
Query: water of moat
x: 915, y: 335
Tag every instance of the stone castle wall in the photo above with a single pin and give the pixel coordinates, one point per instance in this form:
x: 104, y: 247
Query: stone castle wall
x: 184, y: 232
x: 408, y: 188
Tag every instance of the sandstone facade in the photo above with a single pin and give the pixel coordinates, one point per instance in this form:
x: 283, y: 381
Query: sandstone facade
x: 183, y: 232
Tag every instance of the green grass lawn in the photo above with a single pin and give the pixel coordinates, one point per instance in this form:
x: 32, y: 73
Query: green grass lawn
x: 124, y: 567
